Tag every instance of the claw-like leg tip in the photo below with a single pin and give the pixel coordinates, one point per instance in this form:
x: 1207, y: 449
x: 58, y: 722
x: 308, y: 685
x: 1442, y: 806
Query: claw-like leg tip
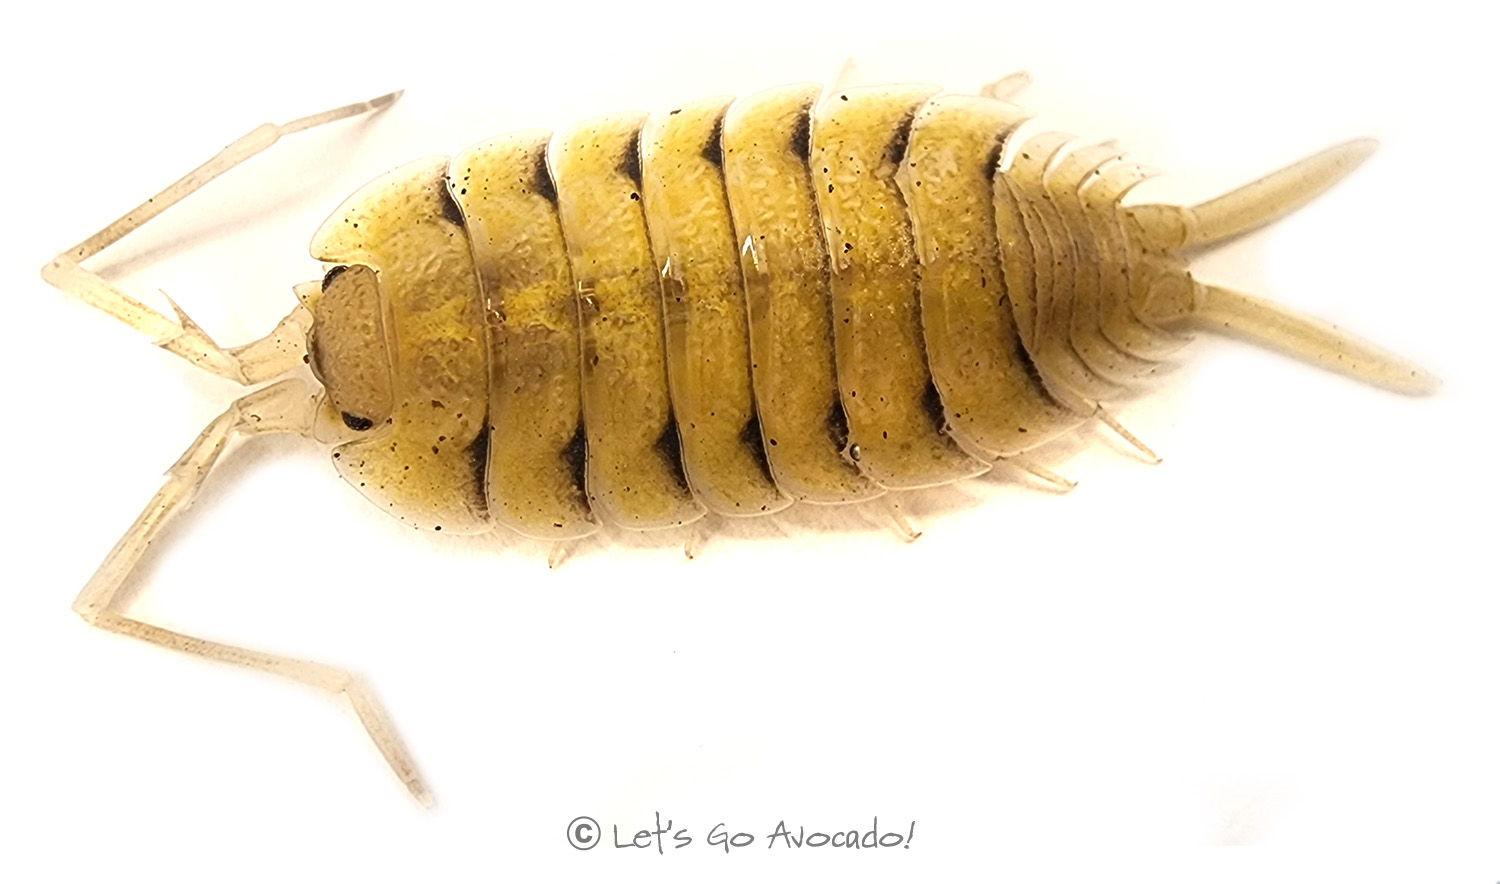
x: 899, y: 521
x: 694, y: 541
x: 1060, y: 483
x: 1142, y: 448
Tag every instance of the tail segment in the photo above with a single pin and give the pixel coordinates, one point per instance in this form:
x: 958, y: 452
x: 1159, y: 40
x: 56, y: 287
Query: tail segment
x: 1307, y: 338
x: 1168, y: 228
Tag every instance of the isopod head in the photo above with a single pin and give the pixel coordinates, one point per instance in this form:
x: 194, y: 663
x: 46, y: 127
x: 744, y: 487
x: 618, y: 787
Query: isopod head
x: 422, y: 364
x: 348, y: 347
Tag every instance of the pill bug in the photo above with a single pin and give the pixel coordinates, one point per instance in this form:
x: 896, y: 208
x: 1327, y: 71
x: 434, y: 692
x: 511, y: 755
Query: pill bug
x: 604, y: 170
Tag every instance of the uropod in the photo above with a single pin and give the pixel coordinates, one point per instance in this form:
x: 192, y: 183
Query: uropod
x: 801, y: 295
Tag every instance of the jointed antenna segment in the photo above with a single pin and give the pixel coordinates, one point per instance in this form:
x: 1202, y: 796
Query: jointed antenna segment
x: 250, y: 364
x: 288, y: 406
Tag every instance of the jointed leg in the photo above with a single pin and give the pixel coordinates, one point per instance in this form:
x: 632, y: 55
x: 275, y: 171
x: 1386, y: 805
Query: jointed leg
x: 1108, y: 420
x: 251, y: 364
x: 846, y: 77
x: 288, y: 406
x: 1007, y: 87
x: 1059, y: 482
x: 558, y: 554
x: 896, y: 519
x: 699, y: 533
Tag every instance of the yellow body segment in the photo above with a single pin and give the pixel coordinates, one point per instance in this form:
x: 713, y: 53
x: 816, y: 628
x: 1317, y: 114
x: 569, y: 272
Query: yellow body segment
x: 995, y: 402
x: 766, y: 145
x: 635, y: 473
x: 427, y: 465
x: 896, y: 426
x: 537, y: 449
x: 707, y: 338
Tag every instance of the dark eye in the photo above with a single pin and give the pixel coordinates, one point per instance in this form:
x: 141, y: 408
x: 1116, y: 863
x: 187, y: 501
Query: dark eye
x: 355, y: 422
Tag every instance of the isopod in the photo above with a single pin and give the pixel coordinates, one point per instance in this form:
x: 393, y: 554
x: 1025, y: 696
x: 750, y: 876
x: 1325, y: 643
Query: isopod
x: 802, y: 295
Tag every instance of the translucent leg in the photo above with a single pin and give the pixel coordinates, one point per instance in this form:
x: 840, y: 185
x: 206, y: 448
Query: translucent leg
x: 247, y: 365
x: 288, y: 406
x: 698, y: 534
x: 1007, y: 87
x: 1108, y: 420
x: 845, y: 77
x: 558, y: 554
x: 1062, y: 484
x: 897, y: 519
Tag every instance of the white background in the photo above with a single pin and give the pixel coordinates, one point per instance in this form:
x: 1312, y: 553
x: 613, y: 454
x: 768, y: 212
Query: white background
x: 1284, y: 635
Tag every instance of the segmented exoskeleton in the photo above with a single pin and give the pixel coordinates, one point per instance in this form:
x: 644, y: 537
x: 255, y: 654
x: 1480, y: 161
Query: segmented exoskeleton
x: 727, y: 307
x: 735, y: 305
